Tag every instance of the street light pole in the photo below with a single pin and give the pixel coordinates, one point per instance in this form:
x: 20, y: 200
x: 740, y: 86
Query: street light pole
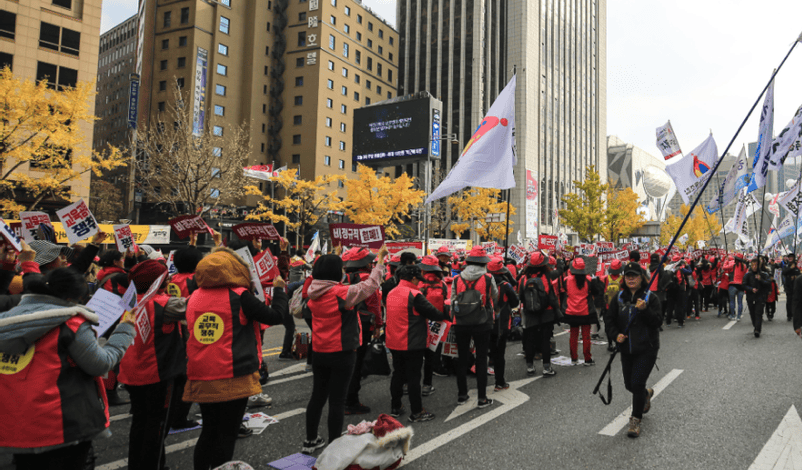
x: 428, y: 187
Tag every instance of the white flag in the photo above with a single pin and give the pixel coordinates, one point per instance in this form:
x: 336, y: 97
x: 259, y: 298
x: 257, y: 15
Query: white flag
x: 761, y: 161
x: 324, y: 248
x: 786, y: 228
x: 790, y: 200
x: 787, y: 144
x: 489, y: 158
x: 690, y: 172
x: 313, y: 247
x: 683, y: 239
x: 666, y: 141
x: 738, y: 177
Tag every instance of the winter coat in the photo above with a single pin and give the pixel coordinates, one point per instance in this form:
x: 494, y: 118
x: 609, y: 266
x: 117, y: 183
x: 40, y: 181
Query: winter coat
x: 760, y: 280
x: 643, y: 336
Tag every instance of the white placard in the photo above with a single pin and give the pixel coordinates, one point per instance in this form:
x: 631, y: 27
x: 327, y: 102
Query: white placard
x: 142, y: 320
x: 110, y: 307
x: 246, y: 255
x: 124, y: 238
x: 79, y: 223
x: 10, y: 235
x: 30, y: 224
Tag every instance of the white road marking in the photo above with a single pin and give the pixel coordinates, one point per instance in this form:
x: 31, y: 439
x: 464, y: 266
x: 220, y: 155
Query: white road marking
x: 729, y: 325
x: 288, y: 379
x: 783, y: 450
x: 505, y: 396
x: 561, y: 333
x: 617, y: 424
x: 289, y: 370
x: 119, y: 417
x: 510, y: 400
x: 122, y: 463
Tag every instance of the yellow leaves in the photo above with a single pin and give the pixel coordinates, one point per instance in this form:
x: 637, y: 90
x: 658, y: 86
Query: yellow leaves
x: 700, y: 226
x: 621, y: 218
x: 584, y: 212
x: 471, y: 206
x: 380, y: 200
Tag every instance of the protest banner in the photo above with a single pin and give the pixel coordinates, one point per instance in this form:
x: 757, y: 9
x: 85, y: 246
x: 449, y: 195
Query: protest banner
x: 245, y: 254
x: 30, y: 222
x: 604, y: 247
x: 255, y: 231
x: 79, y: 223
x: 587, y: 249
x: 455, y: 246
x: 171, y: 265
x: 622, y: 255
x: 124, y: 238
x: 489, y: 247
x: 394, y: 248
x: 266, y: 266
x: 349, y: 235
x: 437, y: 330
x: 141, y: 313
x: 186, y: 225
x: 110, y: 307
x: 517, y: 254
x: 10, y: 235
x: 548, y: 243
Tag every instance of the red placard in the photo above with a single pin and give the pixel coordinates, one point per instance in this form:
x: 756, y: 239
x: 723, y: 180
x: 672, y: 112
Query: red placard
x: 266, y: 266
x: 186, y: 225
x: 256, y: 231
x: 548, y: 243
x: 348, y: 235
x: 397, y: 247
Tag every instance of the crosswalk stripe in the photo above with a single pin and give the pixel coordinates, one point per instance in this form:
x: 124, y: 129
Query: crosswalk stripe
x: 617, y: 424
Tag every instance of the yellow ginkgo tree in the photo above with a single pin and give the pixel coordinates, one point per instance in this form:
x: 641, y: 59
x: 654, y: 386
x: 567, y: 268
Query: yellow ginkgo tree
x: 380, y: 200
x: 40, y: 131
x: 297, y: 203
x: 473, y: 206
x: 700, y: 226
x: 621, y: 218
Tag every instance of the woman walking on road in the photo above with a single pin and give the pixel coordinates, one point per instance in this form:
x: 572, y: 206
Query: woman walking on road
x: 580, y: 311
x: 633, y: 319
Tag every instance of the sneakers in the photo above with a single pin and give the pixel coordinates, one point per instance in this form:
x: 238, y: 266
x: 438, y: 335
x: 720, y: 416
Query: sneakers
x: 697, y: 317
x: 311, y: 446
x: 244, y: 431
x: 421, y: 417
x: 115, y: 399
x: 499, y: 388
x: 648, y: 401
x: 612, y: 348
x: 491, y: 371
x: 427, y: 390
x: 680, y: 326
x: 439, y: 373
x: 574, y: 362
x: 484, y: 403
x: 357, y: 409
x: 757, y: 333
x: 635, y: 427
x: 548, y: 371
x: 396, y: 412
x: 462, y: 399
x: 530, y: 369
x: 739, y: 318
x: 286, y: 357
x: 595, y: 336
x: 260, y: 399
x: 589, y: 363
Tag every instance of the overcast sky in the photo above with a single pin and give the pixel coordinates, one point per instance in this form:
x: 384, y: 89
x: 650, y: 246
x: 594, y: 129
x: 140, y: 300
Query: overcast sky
x: 699, y: 63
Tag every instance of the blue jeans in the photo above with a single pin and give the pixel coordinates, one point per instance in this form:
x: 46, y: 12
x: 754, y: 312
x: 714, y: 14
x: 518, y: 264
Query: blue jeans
x: 735, y: 294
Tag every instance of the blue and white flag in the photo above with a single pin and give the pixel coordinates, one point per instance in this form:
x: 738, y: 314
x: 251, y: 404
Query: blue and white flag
x: 738, y: 177
x: 489, y: 158
x: 761, y: 160
x: 787, y: 143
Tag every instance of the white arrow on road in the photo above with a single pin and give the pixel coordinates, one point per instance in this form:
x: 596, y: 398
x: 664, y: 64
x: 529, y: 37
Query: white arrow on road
x: 510, y: 396
x: 783, y: 450
x: 510, y: 399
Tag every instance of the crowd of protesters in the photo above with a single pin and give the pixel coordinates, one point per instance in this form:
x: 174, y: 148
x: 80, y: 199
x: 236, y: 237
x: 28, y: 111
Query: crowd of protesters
x: 203, y: 339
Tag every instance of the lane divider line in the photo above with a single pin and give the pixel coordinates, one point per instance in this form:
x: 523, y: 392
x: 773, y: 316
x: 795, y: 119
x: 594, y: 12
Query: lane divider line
x: 624, y: 418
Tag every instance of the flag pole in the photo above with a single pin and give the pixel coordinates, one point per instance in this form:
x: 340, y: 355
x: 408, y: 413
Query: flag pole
x: 719, y: 161
x: 721, y: 212
x: 507, y: 225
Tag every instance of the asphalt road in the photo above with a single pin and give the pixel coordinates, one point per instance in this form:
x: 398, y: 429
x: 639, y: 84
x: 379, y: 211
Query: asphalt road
x: 723, y: 393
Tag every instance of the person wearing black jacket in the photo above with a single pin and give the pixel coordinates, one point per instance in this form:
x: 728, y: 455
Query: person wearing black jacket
x: 788, y: 275
x: 756, y: 283
x: 508, y: 300
x: 633, y: 318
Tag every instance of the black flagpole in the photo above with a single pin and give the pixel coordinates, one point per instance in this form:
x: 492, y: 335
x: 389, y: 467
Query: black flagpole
x: 507, y: 224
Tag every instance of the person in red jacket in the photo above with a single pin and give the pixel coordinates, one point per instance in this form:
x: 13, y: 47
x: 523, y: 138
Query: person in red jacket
x: 335, y: 339
x: 772, y: 297
x: 436, y: 291
x: 580, y: 310
x: 357, y: 263
x: 722, y: 293
x: 502, y: 322
x: 736, y: 270
x: 406, y: 337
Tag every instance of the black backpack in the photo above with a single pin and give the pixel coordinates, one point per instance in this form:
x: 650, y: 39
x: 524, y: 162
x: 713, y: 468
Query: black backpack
x: 469, y: 309
x: 534, y: 298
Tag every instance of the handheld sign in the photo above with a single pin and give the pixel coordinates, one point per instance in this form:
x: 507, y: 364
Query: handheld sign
x: 30, y: 222
x: 255, y: 231
x: 186, y: 225
x: 110, y: 307
x: 349, y: 235
x: 9, y: 235
x: 124, y: 238
x: 142, y: 320
x: 266, y: 266
x: 246, y: 255
x: 79, y: 223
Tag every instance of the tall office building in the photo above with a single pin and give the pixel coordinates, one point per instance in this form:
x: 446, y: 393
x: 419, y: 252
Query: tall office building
x: 294, y: 70
x: 464, y: 52
x: 116, y: 66
x: 57, y: 41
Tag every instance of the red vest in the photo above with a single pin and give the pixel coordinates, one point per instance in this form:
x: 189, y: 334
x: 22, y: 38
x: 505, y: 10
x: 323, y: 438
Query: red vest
x: 45, y: 399
x: 435, y: 291
x: 654, y: 284
x: 181, y: 285
x: 334, y: 327
x: 482, y: 285
x: 107, y: 273
x: 405, y: 329
x: 223, y: 343
x: 162, y: 356
x: 577, y: 299
x: 739, y: 270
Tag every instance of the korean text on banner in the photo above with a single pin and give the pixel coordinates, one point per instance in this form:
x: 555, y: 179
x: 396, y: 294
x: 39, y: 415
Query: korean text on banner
x: 246, y: 255
x: 666, y: 141
x: 437, y: 330
x: 266, y: 266
x: 141, y: 317
x: 348, y: 235
x: 548, y: 243
x: 9, y: 235
x: 186, y: 225
x: 531, y: 204
x: 124, y: 238
x: 30, y: 224
x: 171, y: 265
x: 517, y: 253
x: 395, y: 248
x: 79, y: 223
x: 255, y: 231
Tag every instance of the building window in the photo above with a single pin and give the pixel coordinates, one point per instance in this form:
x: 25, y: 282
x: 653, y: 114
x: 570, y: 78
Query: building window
x: 332, y: 19
x: 359, y: 36
x: 217, y: 151
x: 165, y: 43
x: 181, y: 62
x: 226, y: 3
x: 331, y: 65
x: 378, y: 90
x: 381, y: 34
x: 379, y: 70
x: 354, y: 167
x: 297, y: 120
x: 344, y: 91
x: 345, y: 72
x: 331, y: 42
x: 367, y: 101
x: 327, y: 160
x: 220, y: 110
x: 346, y: 29
x: 302, y: 39
x: 296, y: 158
x: 359, y: 19
x: 389, y: 95
x: 299, y: 81
x: 267, y: 50
x: 297, y: 139
x: 356, y: 96
x: 182, y: 41
x: 223, y: 49
x: 185, y: 15
x: 379, y: 50
x: 163, y: 85
x: 57, y: 77
x: 224, y: 25
x: 348, y: 11
x: 327, y: 141
x: 180, y: 82
x: 341, y: 164
x: 370, y: 26
x: 220, y: 90
x: 8, y: 24
x: 59, y: 39
x: 222, y: 70
x: 370, y: 64
x: 329, y: 103
x: 390, y: 40
x: 345, y: 49
x: 268, y: 26
x: 166, y: 19
x: 356, y: 78
x: 370, y: 44
x: 298, y: 100
x: 368, y: 84
x: 334, y: 3
x: 343, y: 108
x: 328, y: 122
x: 390, y: 56
x: 161, y: 106
x: 357, y: 57
x: 342, y: 127
x: 299, y: 61
x: 342, y: 145
x: 390, y: 75
x: 63, y: 3
x: 302, y: 17
x: 330, y: 84
x: 217, y: 131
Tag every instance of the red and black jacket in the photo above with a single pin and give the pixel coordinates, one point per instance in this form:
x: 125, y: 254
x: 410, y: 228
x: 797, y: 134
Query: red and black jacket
x: 436, y: 291
x: 161, y: 356
x: 370, y: 309
x: 181, y: 285
x: 46, y: 399
x: 335, y: 328
x: 408, y: 312
x: 113, y: 279
x: 481, y: 284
